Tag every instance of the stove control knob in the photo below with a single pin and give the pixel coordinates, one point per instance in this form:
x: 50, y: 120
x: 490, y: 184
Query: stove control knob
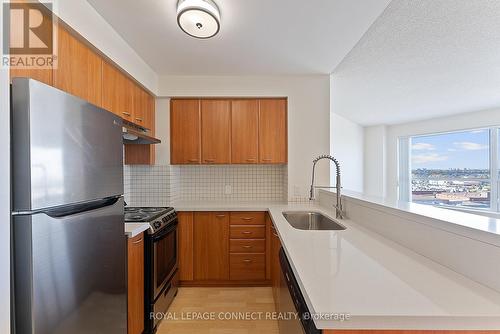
x: 157, y: 224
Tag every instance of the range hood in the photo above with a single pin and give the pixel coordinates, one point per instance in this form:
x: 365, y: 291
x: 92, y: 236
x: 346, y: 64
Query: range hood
x: 136, y: 135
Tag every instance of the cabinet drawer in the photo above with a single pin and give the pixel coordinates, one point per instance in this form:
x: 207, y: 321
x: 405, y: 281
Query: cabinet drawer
x: 247, y: 246
x: 248, y: 232
x: 247, y: 267
x: 247, y: 218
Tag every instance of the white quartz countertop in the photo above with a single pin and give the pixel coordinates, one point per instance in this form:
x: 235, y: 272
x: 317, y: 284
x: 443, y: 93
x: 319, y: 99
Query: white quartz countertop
x: 379, y: 283
x: 134, y: 229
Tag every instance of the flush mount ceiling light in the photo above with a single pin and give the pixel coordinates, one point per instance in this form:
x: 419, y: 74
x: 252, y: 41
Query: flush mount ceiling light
x: 198, y: 18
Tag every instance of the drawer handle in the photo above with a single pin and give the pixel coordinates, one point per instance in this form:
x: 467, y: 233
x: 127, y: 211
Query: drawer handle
x: 138, y: 119
x: 247, y: 247
x: 126, y: 113
x: 247, y: 260
x: 246, y: 232
x: 209, y: 160
x: 137, y: 241
x: 220, y: 216
x: 251, y: 160
x: 193, y: 160
x: 266, y: 159
x: 247, y: 218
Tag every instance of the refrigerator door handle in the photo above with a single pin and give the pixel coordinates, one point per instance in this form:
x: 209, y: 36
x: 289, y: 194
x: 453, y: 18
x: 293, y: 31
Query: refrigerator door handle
x: 72, y: 209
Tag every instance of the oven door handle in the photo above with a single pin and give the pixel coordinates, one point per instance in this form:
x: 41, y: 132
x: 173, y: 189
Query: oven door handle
x: 167, y: 230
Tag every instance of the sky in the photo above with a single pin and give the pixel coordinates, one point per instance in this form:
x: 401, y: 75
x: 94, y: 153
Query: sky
x: 468, y: 149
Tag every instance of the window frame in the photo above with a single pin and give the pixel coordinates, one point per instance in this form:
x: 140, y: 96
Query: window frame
x: 405, y: 168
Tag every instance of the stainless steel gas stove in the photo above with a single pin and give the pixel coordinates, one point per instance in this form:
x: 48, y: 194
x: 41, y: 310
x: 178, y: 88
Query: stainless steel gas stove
x: 160, y: 260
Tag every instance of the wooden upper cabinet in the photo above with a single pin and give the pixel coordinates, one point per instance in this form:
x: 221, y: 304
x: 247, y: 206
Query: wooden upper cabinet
x: 79, y: 70
x: 211, y: 246
x: 142, y: 108
x: 185, y: 131
x: 273, y: 131
x: 44, y: 76
x: 117, y: 92
x: 215, y: 131
x: 245, y: 131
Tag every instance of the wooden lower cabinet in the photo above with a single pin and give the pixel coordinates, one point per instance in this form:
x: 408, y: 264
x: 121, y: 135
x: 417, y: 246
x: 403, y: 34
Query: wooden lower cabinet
x: 135, y: 277
x: 211, y: 246
x: 275, y: 265
x: 223, y: 249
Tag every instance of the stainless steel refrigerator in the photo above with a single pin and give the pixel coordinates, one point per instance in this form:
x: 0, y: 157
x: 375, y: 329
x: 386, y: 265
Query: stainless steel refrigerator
x: 69, y: 247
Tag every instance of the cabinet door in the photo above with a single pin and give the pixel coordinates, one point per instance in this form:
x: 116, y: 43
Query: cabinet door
x: 215, y: 131
x: 245, y: 131
x: 275, y: 265
x: 185, y: 132
x: 185, y: 245
x: 79, y: 70
x: 113, y: 89
x: 211, y: 246
x: 140, y: 105
x: 129, y: 99
x: 135, y: 295
x: 273, y: 131
x: 143, y: 154
x: 117, y: 92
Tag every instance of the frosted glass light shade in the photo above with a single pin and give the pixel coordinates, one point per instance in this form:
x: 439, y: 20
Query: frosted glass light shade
x: 198, y: 18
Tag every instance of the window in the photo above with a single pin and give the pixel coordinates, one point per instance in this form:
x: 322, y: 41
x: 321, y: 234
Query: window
x: 451, y: 169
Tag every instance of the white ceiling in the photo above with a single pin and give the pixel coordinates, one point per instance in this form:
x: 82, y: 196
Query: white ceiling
x: 423, y: 59
x: 257, y: 37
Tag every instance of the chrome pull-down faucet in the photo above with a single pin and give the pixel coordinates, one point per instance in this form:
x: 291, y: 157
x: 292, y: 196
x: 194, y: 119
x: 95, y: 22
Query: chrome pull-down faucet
x: 339, y: 213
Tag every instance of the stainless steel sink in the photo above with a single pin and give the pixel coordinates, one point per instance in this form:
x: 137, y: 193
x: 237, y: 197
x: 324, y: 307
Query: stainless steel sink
x: 310, y: 220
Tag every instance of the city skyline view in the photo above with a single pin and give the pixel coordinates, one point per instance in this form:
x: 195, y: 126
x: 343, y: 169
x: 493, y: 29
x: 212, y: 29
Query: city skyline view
x: 457, y: 150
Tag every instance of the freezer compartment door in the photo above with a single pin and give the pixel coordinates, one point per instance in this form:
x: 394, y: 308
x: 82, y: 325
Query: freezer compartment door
x: 70, y: 272
x: 65, y: 150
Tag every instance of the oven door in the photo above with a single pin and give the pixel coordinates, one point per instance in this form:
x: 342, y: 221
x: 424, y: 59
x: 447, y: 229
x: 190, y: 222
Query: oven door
x: 164, y: 256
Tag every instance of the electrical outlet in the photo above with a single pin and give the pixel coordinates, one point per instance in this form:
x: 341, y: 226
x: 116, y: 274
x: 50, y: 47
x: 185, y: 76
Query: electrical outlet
x: 296, y: 190
x: 228, y: 189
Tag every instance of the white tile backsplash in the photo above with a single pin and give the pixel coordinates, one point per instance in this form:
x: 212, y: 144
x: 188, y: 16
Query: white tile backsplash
x: 231, y: 182
x: 147, y: 185
x: 164, y: 185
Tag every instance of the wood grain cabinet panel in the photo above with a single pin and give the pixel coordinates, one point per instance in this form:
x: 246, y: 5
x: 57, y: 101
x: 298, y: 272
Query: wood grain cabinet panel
x: 248, y: 267
x: 275, y: 264
x: 245, y: 131
x: 247, y: 245
x: 247, y: 218
x: 185, y: 245
x: 44, y: 75
x: 79, y: 69
x: 113, y: 89
x: 135, y: 274
x: 211, y: 246
x: 273, y: 131
x: 185, y: 132
x: 248, y: 232
x: 215, y: 131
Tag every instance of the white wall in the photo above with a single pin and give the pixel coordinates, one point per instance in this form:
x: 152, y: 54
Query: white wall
x: 308, y: 115
x: 450, y: 123
x: 375, y: 161
x: 82, y: 17
x: 346, y: 144
x: 4, y: 196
